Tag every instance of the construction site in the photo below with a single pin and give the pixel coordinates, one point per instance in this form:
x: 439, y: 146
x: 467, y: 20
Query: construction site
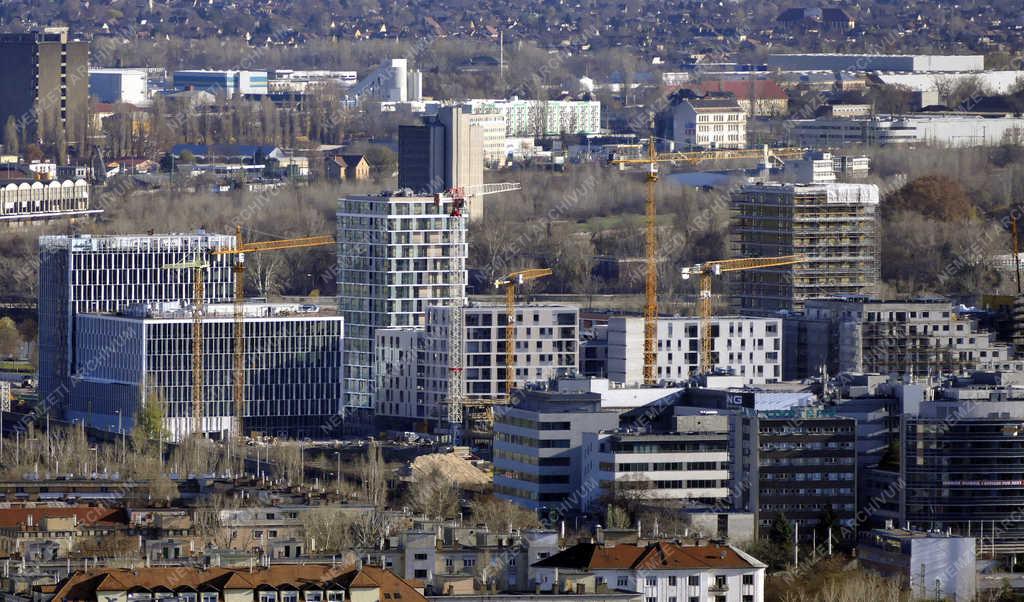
x: 833, y: 225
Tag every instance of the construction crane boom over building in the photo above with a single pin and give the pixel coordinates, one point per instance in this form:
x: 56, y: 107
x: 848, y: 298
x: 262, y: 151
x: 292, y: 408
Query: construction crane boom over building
x: 457, y: 314
x: 241, y: 248
x: 710, y: 269
x: 511, y: 282
x: 651, y: 245
x: 199, y: 265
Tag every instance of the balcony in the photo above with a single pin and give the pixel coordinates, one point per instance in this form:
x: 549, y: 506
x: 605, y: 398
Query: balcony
x: 718, y: 588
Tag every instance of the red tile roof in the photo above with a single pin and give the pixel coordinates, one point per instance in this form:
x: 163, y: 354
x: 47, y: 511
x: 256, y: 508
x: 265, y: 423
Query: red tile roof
x: 764, y: 89
x: 655, y: 556
x: 87, y: 515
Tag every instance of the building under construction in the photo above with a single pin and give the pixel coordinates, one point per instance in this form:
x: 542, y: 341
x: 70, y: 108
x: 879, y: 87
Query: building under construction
x: 835, y: 225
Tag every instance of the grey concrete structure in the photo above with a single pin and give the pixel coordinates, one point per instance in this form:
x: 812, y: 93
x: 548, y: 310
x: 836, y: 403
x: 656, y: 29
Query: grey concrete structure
x: 538, y: 447
x: 107, y: 274
x: 45, y: 79
x: 934, y: 566
x: 834, y: 225
x: 860, y: 334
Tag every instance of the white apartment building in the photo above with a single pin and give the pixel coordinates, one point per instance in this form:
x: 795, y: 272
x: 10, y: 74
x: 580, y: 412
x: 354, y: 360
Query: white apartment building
x: 397, y: 255
x: 709, y: 123
x: 106, y: 274
x: 540, y: 118
x: 144, y: 355
x: 413, y: 364
x: 661, y: 571
x: 690, y: 464
x: 749, y: 347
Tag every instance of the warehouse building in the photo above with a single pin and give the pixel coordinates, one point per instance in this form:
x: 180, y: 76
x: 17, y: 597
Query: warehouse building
x: 875, y: 62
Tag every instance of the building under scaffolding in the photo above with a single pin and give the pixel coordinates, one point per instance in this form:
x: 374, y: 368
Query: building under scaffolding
x: 834, y: 224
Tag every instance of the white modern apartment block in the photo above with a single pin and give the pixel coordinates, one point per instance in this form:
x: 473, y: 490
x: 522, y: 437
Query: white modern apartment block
x: 413, y: 365
x: 750, y: 347
x: 397, y: 255
x: 292, y: 364
x: 393, y: 81
x: 119, y: 85
x: 540, y: 118
x: 107, y: 274
x: 661, y: 571
x: 690, y: 464
x: 709, y: 123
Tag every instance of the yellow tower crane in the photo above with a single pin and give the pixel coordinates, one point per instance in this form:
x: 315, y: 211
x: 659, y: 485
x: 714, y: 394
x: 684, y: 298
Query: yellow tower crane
x: 651, y: 247
x: 511, y: 282
x: 709, y: 269
x: 241, y: 248
x: 199, y: 265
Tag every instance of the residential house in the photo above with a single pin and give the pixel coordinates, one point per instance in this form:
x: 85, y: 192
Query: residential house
x: 710, y: 122
x: 660, y: 571
x: 346, y: 167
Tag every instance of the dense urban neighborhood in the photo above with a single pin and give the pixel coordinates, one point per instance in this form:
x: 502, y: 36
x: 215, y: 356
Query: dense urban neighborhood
x: 544, y: 301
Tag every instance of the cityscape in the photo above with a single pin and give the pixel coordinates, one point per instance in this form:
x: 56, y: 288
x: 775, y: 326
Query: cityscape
x: 571, y: 302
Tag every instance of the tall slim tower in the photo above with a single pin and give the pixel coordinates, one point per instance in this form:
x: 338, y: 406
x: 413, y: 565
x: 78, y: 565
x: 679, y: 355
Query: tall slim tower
x: 103, y: 274
x: 397, y: 255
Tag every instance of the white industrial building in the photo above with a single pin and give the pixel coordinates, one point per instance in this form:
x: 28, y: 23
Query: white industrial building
x: 24, y: 201
x: 293, y: 360
x: 106, y: 274
x: 540, y: 118
x: 393, y: 81
x: 413, y: 364
x: 749, y: 347
x: 397, y: 255
x: 228, y: 83
x: 940, y: 130
x: 709, y: 123
x: 875, y: 62
x: 989, y: 82
x: 119, y: 85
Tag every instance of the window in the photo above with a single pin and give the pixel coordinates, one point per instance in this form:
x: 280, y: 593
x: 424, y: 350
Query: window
x: 420, y: 574
x: 420, y: 556
x: 211, y: 596
x: 468, y: 563
x: 622, y: 582
x: 272, y: 533
x: 290, y: 596
x: 652, y: 581
x: 672, y: 580
x: 693, y: 580
x: 748, y: 579
x: 314, y: 596
x: 264, y: 596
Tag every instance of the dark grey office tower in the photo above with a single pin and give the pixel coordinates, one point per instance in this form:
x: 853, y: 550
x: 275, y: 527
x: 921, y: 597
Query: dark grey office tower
x: 45, y: 81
